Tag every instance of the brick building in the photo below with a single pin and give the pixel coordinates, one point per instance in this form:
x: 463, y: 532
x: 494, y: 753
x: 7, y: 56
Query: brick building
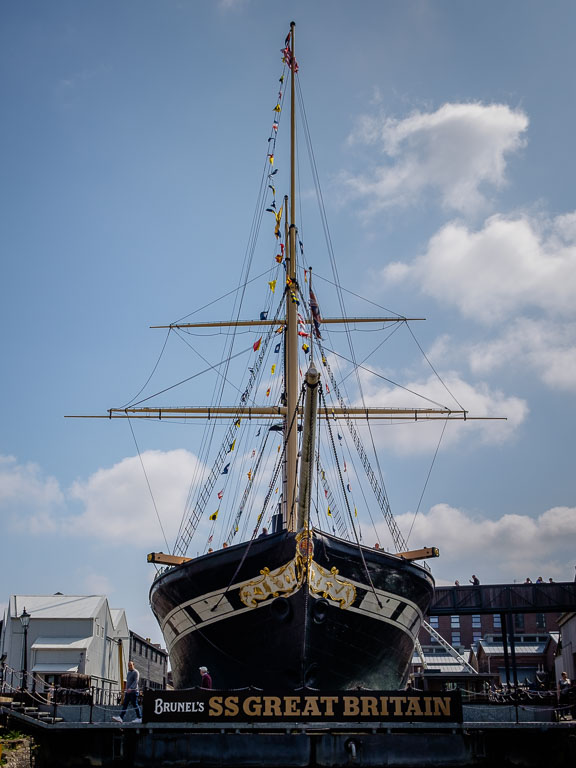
x: 151, y: 660
x: 466, y: 631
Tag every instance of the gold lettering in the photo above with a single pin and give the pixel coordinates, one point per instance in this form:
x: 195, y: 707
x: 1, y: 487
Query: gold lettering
x: 397, y: 701
x: 413, y: 707
x: 442, y: 703
x: 272, y: 706
x: 231, y: 706
x: 329, y: 702
x: 351, y: 707
x: 215, y: 706
x: 384, y: 706
x: 291, y: 705
x: 428, y: 709
x: 311, y: 708
x: 369, y: 705
x: 252, y: 705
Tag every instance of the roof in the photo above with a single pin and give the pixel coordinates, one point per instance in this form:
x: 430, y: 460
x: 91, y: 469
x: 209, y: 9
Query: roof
x: 441, y: 662
x: 61, y: 643
x: 520, y: 649
x: 56, y: 606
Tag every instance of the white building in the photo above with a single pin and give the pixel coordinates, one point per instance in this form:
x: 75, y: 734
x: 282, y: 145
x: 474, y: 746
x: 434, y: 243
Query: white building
x: 65, y: 634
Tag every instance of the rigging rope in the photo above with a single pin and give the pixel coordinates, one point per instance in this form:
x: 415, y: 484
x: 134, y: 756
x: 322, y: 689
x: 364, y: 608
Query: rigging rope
x: 148, y: 484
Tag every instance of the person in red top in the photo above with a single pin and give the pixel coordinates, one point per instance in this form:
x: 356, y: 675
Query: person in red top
x: 206, y: 681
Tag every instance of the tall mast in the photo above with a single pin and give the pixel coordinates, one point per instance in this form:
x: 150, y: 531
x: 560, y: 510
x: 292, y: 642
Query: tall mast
x: 291, y: 335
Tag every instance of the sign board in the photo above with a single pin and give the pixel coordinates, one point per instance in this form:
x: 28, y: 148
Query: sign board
x: 197, y: 705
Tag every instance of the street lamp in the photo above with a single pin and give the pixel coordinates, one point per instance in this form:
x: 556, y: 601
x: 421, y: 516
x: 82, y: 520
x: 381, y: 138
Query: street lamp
x: 25, y: 621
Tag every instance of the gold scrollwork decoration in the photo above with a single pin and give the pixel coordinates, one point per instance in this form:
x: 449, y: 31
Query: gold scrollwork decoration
x: 330, y: 587
x: 280, y: 582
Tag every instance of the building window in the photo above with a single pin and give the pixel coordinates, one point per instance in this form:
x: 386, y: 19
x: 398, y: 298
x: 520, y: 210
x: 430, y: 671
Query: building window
x: 540, y: 621
x: 455, y: 638
x: 519, y: 622
x: 476, y: 635
x: 476, y: 622
x: 497, y: 621
x: 455, y: 622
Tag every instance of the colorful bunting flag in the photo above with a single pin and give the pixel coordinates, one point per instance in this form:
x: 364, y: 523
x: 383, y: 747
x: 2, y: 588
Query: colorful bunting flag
x: 355, y: 512
x: 268, y: 392
x: 253, y: 453
x: 329, y: 512
x: 277, y: 108
x: 273, y: 369
x: 279, y: 258
x: 277, y: 348
x: 237, y: 423
x: 279, y: 330
x: 249, y: 474
x: 258, y: 433
x: 232, y: 446
x: 225, y: 470
x: 214, y: 515
x: 348, y: 487
x: 256, y: 345
x: 263, y: 315
x: 344, y: 466
x: 305, y: 347
x: 272, y: 284
x: 326, y: 492
x: 220, y: 494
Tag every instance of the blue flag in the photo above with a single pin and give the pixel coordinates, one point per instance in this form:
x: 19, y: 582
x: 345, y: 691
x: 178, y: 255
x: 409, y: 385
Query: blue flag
x: 277, y: 348
x: 225, y: 470
x: 263, y: 315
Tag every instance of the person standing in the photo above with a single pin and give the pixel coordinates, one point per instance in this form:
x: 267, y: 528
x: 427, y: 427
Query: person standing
x: 131, y: 694
x: 475, y: 581
x: 206, y: 681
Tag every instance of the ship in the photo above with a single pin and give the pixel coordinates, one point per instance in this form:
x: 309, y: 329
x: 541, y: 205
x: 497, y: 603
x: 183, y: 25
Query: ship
x: 295, y: 598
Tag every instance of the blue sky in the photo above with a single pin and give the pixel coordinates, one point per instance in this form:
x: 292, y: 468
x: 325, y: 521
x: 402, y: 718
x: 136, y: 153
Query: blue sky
x: 133, y: 139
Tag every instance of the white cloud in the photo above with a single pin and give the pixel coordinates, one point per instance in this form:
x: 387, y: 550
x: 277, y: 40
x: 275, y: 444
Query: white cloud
x: 509, y: 266
x: 548, y: 349
x: 96, y: 583
x: 456, y: 151
x: 509, y: 548
x: 117, y: 505
x: 25, y: 490
x: 479, y: 400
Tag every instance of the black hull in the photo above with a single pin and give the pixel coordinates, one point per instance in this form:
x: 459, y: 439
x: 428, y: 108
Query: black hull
x: 332, y: 632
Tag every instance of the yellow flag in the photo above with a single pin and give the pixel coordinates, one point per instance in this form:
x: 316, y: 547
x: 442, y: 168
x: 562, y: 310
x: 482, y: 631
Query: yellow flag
x: 272, y: 284
x: 214, y: 515
x: 232, y: 445
x: 273, y: 369
x: 329, y: 513
x: 355, y: 512
x: 249, y: 474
